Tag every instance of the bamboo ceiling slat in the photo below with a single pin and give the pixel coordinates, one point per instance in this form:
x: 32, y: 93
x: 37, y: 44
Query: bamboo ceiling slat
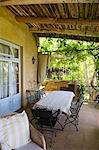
x: 89, y: 11
x: 22, y: 11
x: 17, y: 10
x: 52, y: 26
x: 61, y: 10
x: 97, y: 12
x: 26, y: 9
x: 37, y: 10
x: 52, y: 11
x: 29, y: 25
x: 70, y: 27
x: 60, y: 27
x: 42, y: 10
x: 49, y: 26
x: 56, y: 10
x: 73, y: 10
x: 55, y: 26
x: 44, y: 27
x: 36, y: 26
x: 55, y: 6
x: 41, y: 25
x: 86, y: 10
x: 67, y: 15
x: 45, y: 10
x: 81, y: 10
x: 93, y: 11
x: 13, y: 10
x: 31, y: 11
x: 76, y: 10
x: 63, y: 26
x: 46, y: 7
x: 32, y: 24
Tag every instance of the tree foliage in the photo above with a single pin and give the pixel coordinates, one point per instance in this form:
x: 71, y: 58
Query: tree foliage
x: 72, y: 54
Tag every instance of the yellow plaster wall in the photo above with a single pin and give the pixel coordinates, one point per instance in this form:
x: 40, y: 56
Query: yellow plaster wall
x: 19, y: 34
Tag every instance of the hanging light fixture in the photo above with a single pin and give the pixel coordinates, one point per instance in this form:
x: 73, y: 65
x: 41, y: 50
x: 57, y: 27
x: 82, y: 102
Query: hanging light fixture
x: 33, y: 60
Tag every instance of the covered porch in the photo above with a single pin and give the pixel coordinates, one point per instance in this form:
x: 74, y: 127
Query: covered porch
x: 21, y: 25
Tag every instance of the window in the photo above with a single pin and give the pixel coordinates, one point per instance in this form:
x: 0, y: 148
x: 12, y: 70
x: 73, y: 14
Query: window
x: 9, y: 70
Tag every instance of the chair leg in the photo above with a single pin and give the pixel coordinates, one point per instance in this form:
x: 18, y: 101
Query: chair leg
x: 62, y: 128
x: 76, y: 127
x: 74, y: 122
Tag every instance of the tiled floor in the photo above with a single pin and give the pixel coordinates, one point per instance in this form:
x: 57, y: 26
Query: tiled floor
x: 87, y: 138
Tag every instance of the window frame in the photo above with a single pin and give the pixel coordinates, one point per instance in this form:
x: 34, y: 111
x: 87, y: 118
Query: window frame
x: 11, y: 59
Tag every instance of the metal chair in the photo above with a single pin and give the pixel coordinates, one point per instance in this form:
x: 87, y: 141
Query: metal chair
x: 97, y: 99
x: 32, y: 99
x: 45, y: 118
x: 73, y: 118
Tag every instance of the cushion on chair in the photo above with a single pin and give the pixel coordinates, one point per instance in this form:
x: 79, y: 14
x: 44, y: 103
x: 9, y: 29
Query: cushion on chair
x: 30, y: 146
x: 14, y: 131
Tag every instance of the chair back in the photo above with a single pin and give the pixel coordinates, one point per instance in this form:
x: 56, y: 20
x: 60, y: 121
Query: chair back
x: 45, y: 117
x: 76, y: 109
x: 41, y: 113
x: 31, y: 99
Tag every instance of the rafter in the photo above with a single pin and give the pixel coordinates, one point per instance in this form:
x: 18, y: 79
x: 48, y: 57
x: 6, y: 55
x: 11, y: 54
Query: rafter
x: 27, y: 2
x: 66, y: 32
x: 76, y: 37
x: 45, y: 20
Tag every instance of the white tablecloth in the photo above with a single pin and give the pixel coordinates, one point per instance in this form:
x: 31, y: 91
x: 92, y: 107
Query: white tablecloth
x: 57, y: 100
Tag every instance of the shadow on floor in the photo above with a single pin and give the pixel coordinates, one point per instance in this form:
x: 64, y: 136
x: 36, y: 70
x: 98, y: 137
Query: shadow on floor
x: 87, y: 138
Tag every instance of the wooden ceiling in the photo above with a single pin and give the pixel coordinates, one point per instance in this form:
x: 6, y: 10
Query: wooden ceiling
x: 71, y: 18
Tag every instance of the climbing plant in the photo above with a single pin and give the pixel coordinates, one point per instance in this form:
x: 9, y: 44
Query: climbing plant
x: 80, y: 58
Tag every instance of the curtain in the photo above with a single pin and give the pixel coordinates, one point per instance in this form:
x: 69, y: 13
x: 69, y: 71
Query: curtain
x: 15, y: 81
x: 42, y: 66
x: 4, y: 82
x: 4, y: 79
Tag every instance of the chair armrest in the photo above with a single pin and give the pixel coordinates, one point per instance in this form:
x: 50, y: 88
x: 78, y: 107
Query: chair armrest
x: 37, y: 137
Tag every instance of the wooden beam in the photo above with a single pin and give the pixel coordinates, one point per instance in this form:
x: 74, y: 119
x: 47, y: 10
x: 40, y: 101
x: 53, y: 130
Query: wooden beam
x: 28, y: 2
x: 66, y: 32
x: 82, y: 38
x: 45, y: 20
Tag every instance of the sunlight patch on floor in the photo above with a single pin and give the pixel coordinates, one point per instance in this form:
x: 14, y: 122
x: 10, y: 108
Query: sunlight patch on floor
x: 85, y: 103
